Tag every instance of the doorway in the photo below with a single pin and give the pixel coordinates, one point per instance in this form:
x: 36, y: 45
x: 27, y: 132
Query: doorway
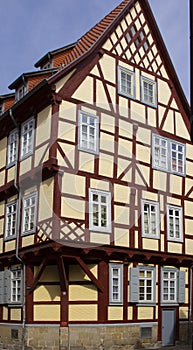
x: 168, y: 327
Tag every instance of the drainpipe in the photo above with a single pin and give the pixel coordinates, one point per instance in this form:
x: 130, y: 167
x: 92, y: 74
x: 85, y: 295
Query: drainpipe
x: 16, y: 185
x: 190, y: 309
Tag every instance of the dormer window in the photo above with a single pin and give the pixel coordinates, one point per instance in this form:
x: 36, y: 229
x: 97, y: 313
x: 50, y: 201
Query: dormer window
x: 47, y: 65
x: 21, y: 91
x: 1, y: 108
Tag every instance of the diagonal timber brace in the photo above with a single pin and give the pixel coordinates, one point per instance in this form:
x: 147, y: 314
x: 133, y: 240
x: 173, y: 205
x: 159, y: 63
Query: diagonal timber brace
x: 90, y: 274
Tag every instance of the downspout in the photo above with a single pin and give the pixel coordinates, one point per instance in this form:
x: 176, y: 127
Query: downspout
x: 190, y: 308
x: 16, y: 185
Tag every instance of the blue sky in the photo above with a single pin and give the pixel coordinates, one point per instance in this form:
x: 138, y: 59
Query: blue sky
x: 30, y: 29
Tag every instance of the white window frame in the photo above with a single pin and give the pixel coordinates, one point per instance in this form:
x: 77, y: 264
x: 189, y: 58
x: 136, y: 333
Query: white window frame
x: 176, y: 221
x: 150, y: 234
x: 29, y: 213
x: 27, y: 138
x: 115, y: 284
x: 170, y: 287
x: 149, y: 284
x: 147, y: 288
x: 1, y: 108
x: 12, y: 148
x: 100, y: 204
x: 129, y: 74
x: 162, y: 155
x: 11, y: 220
x: 16, y: 286
x: 84, y: 122
x: 21, y: 92
x: 144, y: 93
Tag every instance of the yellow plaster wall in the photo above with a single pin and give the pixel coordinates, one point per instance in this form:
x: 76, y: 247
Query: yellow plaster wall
x: 15, y: 314
x: 99, y: 238
x: 47, y: 313
x: 115, y: 313
x: 27, y: 241
x: 100, y: 185
x: 86, y: 162
x: 83, y: 312
x: 137, y: 112
x: 83, y: 293
x: 73, y: 208
x: 174, y: 247
x: 46, y: 200
x: 1, y: 245
x: 145, y: 312
x: 108, y: 65
x: 47, y: 293
x: 188, y: 246
x: 2, y: 178
x: 43, y: 126
x: 181, y: 128
x: 121, y: 193
x: 25, y: 165
x: 77, y: 274
x: 41, y: 155
x: 67, y: 131
x: 5, y: 313
x: 106, y: 165
x: 151, y: 244
x: 124, y: 148
x: 121, y: 214
x: 107, y: 142
x: 85, y: 91
x: 164, y: 92
x: 107, y: 122
x: 68, y: 112
x: 10, y: 245
x: 61, y: 82
x: 3, y: 146
x: 73, y: 184
x: 121, y: 237
x: 50, y: 274
x: 11, y: 174
x: 183, y: 312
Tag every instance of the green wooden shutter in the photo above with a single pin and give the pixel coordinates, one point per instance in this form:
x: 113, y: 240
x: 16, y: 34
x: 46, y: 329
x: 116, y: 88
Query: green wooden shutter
x: 134, y: 285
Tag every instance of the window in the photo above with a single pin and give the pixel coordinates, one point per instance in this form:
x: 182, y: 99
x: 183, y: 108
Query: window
x: 172, y: 286
x: 27, y: 138
x: 174, y: 223
x: 11, y: 220
x: 29, y: 213
x: 99, y: 210
x: 16, y: 286
x: 116, y: 284
x: 150, y: 219
x: 168, y: 155
x: 21, y: 91
x: 126, y: 82
x: 12, y: 148
x: 148, y: 91
x: 88, y: 132
x: 11, y: 286
x: 1, y: 108
x: 142, y: 284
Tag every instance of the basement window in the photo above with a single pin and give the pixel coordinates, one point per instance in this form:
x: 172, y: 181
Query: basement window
x: 146, y: 332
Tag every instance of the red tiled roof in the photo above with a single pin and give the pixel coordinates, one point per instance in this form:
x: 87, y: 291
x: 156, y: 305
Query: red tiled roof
x: 90, y: 38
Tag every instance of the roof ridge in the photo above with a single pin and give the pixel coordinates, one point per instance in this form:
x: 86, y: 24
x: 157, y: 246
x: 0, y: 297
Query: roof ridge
x: 88, y: 39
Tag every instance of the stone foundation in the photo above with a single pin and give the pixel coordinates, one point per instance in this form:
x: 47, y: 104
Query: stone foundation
x: 101, y: 337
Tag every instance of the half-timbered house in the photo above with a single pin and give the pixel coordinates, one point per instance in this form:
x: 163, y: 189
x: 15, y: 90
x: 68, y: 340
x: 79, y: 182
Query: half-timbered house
x: 96, y: 190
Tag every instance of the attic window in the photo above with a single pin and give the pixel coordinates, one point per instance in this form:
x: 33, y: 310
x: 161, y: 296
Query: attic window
x: 21, y: 91
x: 1, y: 109
x: 133, y: 30
x: 47, y: 65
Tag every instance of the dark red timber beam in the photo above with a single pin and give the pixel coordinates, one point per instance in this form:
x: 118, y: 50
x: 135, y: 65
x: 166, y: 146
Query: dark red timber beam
x: 191, y: 69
